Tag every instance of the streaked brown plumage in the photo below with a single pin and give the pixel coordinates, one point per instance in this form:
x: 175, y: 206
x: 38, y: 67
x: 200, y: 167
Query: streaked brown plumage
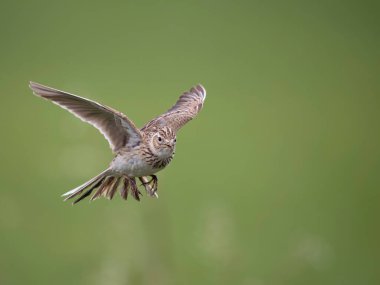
x: 139, y: 153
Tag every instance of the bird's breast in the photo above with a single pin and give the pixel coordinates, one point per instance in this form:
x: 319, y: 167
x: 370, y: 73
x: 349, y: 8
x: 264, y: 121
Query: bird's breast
x: 137, y: 164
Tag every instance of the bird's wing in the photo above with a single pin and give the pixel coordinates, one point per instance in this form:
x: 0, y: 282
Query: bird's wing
x: 115, y: 126
x: 186, y: 108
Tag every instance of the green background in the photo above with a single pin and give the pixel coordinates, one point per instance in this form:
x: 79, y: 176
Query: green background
x: 275, y: 182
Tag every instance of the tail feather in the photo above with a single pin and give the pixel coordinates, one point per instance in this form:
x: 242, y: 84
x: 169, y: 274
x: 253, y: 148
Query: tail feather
x: 112, y: 190
x: 88, y: 192
x: 103, y: 187
x: 107, y: 191
x: 106, y: 185
x: 125, y: 189
x: 94, y: 182
x: 80, y: 188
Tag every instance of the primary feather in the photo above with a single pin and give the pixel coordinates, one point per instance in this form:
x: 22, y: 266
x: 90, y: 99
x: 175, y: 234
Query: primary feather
x: 115, y: 126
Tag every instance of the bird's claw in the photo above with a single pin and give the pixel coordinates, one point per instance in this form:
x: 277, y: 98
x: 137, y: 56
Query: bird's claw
x: 150, y: 185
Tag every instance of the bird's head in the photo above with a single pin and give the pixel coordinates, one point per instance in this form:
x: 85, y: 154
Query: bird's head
x: 163, y: 142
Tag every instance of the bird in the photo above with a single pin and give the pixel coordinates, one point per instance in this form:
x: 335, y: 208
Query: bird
x: 138, y: 153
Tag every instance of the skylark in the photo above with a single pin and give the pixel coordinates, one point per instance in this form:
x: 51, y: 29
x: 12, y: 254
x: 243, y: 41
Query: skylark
x: 139, y: 153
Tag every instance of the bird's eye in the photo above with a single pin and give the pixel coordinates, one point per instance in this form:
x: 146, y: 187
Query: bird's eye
x: 175, y: 140
x: 159, y: 139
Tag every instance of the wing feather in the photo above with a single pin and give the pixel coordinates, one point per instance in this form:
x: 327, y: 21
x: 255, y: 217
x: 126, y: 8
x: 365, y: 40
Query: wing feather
x: 115, y: 126
x: 185, y: 109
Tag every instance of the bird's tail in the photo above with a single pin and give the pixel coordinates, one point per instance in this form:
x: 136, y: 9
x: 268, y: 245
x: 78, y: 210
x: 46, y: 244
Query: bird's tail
x: 105, y: 182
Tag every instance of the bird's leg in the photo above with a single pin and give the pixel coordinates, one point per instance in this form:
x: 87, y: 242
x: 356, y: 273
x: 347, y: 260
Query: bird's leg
x: 148, y: 187
x: 144, y: 180
x: 145, y: 183
x: 134, y: 189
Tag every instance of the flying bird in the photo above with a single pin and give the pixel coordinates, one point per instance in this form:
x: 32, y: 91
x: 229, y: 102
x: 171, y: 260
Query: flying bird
x: 139, y: 153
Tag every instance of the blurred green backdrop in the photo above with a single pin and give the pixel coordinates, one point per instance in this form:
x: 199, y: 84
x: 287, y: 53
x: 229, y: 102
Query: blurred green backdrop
x: 276, y: 182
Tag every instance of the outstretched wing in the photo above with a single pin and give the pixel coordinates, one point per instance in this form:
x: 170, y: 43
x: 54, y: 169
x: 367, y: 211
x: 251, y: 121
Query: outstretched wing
x: 115, y: 126
x: 186, y: 108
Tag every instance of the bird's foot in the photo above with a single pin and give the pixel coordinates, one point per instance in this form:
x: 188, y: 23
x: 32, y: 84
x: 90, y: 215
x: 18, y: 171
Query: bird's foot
x: 150, y: 185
